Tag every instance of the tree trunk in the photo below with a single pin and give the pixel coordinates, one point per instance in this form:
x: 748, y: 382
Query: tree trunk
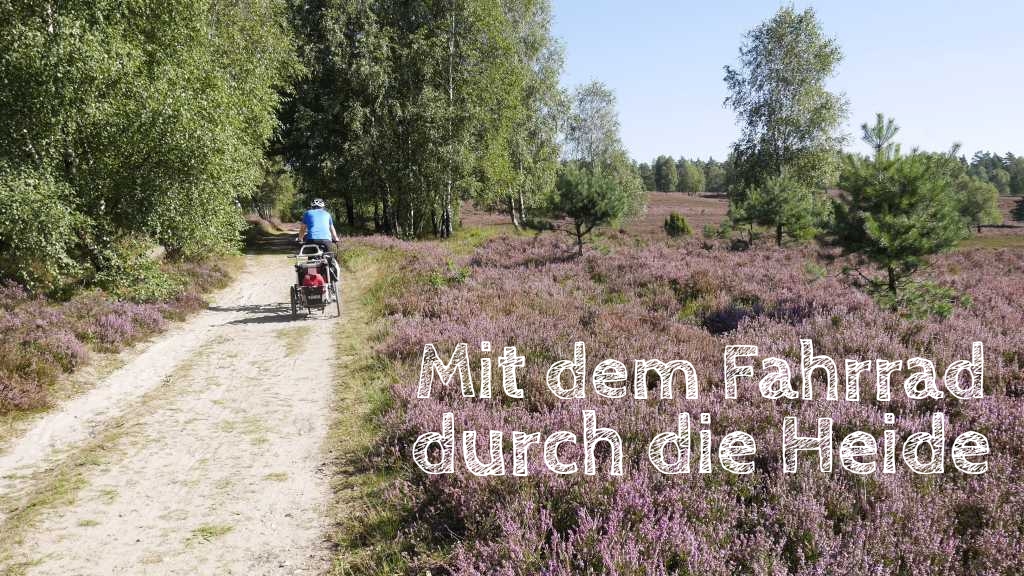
x: 778, y: 234
x: 892, y: 280
x: 579, y: 239
x: 512, y: 212
x: 385, y: 210
x: 350, y: 209
x: 446, y: 203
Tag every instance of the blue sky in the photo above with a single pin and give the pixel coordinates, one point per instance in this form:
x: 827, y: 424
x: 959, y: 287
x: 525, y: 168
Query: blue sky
x: 947, y: 71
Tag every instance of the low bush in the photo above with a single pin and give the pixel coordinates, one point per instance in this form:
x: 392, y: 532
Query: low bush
x: 676, y: 225
x: 44, y: 338
x: 921, y: 300
x: 131, y: 273
x: 36, y: 228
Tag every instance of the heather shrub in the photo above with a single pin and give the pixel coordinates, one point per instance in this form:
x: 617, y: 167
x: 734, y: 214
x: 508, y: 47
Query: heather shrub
x: 685, y: 301
x: 676, y: 226
x: 44, y: 338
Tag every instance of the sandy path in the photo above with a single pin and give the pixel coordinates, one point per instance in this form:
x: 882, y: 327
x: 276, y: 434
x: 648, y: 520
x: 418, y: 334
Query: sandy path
x: 202, y: 455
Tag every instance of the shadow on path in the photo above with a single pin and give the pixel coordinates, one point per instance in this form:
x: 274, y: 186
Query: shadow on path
x: 258, y: 313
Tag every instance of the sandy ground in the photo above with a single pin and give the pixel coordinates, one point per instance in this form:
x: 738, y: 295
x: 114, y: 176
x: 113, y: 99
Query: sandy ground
x: 203, y: 454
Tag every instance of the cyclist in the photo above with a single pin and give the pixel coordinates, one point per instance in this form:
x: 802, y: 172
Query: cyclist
x: 317, y: 227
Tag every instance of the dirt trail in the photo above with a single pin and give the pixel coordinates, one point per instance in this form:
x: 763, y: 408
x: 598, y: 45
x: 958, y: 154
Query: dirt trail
x: 204, y: 454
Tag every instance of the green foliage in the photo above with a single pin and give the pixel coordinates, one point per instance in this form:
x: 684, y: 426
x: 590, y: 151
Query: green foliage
x: 814, y: 271
x: 880, y: 135
x: 715, y: 176
x: 597, y: 184
x: 129, y: 272
x: 691, y: 177
x: 412, y: 106
x: 1005, y: 172
x: 676, y: 225
x: 593, y: 196
x: 979, y: 202
x: 921, y: 300
x: 647, y: 177
x: 151, y: 115
x: 452, y: 274
x: 36, y: 228
x: 277, y: 196
x: 897, y: 210
x: 789, y: 120
x: 786, y: 206
x: 666, y: 176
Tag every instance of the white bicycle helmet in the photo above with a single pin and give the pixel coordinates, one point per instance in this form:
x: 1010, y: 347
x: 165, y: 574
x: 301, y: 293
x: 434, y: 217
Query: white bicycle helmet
x: 318, y: 203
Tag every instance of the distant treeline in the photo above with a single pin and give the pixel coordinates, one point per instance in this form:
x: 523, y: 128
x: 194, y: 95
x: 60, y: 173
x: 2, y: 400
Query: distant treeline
x: 1006, y: 172
x: 665, y: 174
x: 128, y: 125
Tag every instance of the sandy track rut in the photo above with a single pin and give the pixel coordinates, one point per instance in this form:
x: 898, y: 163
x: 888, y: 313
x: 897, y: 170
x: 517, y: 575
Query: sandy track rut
x: 202, y: 455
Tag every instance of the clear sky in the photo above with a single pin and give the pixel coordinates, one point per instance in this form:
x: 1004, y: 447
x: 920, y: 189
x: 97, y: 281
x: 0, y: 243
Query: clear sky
x: 946, y: 71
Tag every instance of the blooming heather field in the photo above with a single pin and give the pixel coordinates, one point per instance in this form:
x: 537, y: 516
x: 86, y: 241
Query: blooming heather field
x: 633, y: 299
x: 43, y: 338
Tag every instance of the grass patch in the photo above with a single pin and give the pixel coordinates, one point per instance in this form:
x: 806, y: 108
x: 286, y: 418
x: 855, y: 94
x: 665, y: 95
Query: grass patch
x: 1010, y: 241
x: 294, y: 339
x: 276, y: 476
x: 208, y: 532
x: 366, y: 532
x: 467, y: 239
x: 252, y: 427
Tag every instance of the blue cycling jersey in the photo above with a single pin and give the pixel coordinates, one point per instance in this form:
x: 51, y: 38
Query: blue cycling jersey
x: 318, y: 224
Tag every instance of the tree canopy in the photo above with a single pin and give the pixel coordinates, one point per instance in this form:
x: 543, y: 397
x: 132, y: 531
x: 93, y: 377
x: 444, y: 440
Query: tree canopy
x: 897, y: 210
x: 132, y: 120
x: 597, y: 183
x: 789, y: 120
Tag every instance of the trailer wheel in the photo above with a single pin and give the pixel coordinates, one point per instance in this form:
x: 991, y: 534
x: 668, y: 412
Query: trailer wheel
x: 336, y: 288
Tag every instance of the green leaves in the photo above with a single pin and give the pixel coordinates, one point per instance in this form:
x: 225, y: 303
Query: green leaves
x: 666, y: 177
x: 979, y: 201
x: 150, y: 116
x: 790, y: 120
x: 897, y: 210
x: 36, y: 228
x: 785, y: 205
x: 411, y: 107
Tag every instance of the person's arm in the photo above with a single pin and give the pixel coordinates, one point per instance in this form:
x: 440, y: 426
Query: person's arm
x: 302, y: 231
x: 334, y: 233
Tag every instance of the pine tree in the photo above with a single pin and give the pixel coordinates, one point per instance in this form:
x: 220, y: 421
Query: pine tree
x: 896, y: 210
x: 786, y: 206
